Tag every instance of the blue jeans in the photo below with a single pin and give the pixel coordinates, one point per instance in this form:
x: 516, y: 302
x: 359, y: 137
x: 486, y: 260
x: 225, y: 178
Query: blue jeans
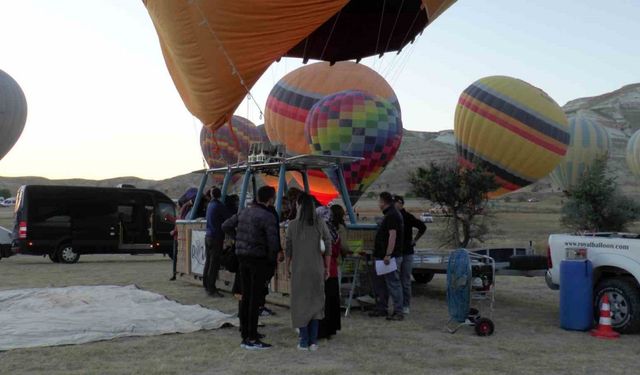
x: 309, y: 333
x: 389, y: 285
x: 405, y: 279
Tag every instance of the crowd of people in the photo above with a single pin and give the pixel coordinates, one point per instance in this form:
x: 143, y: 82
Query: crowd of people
x: 315, y: 241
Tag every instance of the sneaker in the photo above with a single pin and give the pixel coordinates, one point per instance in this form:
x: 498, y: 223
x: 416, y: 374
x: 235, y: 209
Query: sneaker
x: 215, y: 294
x: 313, y: 347
x: 264, y: 311
x: 303, y: 348
x: 396, y: 317
x: 243, y: 344
x: 256, y: 345
x: 405, y: 311
x: 377, y: 314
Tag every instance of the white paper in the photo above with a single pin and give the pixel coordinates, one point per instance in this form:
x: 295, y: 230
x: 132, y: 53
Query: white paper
x: 383, y: 269
x: 198, y: 252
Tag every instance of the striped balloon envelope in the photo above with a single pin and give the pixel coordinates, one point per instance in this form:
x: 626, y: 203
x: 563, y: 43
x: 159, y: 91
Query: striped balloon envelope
x: 293, y: 96
x: 229, y: 144
x: 354, y: 123
x: 633, y: 153
x: 512, y: 129
x: 589, y: 141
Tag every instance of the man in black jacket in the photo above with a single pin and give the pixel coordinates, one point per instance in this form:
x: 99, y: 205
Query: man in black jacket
x: 257, y: 246
x: 388, y: 248
x: 408, y: 245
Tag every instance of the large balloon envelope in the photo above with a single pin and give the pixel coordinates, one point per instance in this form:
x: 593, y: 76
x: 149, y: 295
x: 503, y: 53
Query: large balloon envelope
x: 216, y: 50
x: 512, y: 128
x: 13, y: 112
x: 354, y: 123
x: 633, y: 153
x: 291, y: 99
x: 589, y: 141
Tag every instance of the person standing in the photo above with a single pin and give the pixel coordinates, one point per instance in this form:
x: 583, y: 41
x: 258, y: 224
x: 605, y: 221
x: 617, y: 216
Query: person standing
x: 257, y: 247
x: 388, y: 248
x: 331, y: 323
x: 214, y: 241
x: 410, y: 223
x: 308, y: 267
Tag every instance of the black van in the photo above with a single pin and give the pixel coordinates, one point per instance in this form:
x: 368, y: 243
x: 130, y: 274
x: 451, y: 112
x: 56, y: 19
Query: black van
x: 66, y: 221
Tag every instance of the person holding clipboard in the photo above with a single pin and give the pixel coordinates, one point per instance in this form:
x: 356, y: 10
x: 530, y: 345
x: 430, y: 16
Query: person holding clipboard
x: 388, y: 257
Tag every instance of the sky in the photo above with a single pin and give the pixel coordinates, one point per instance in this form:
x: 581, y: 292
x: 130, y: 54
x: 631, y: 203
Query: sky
x: 102, y: 104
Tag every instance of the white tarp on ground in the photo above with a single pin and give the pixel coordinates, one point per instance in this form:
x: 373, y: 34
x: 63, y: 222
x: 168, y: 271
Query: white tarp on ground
x: 80, y: 314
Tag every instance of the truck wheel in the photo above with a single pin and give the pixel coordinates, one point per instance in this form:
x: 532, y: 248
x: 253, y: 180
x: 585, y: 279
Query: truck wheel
x: 423, y: 277
x: 54, y: 257
x: 66, y: 254
x: 624, y: 298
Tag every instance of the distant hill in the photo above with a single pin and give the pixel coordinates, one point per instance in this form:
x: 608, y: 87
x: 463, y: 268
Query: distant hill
x: 618, y: 111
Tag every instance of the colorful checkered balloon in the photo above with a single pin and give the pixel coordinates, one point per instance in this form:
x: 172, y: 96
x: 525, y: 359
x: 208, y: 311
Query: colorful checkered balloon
x: 354, y: 123
x: 228, y: 144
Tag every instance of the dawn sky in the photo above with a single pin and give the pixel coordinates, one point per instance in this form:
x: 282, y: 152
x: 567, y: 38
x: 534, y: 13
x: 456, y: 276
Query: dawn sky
x: 102, y: 104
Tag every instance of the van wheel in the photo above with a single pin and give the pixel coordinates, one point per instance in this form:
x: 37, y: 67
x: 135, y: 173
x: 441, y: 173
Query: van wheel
x: 624, y: 298
x: 54, y: 257
x: 66, y: 254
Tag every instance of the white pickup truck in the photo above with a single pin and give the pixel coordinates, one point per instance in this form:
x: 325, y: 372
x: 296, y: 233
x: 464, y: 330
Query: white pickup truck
x: 616, y: 271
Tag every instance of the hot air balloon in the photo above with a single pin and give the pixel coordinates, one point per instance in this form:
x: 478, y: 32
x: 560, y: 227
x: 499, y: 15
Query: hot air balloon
x: 13, y: 112
x: 589, y: 141
x: 293, y: 96
x: 229, y: 144
x: 633, y: 153
x: 216, y: 50
x: 512, y: 128
x: 354, y: 123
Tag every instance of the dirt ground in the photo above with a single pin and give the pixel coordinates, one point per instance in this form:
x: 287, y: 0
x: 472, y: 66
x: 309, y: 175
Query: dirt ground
x: 527, y: 339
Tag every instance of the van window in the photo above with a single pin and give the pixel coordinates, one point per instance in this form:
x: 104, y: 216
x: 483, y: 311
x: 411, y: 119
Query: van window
x: 42, y: 212
x: 125, y: 213
x: 166, y: 212
x: 19, y: 199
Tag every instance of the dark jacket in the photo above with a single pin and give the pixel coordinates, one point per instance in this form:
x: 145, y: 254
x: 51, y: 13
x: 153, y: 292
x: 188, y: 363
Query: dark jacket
x: 256, y: 234
x: 410, y: 222
x: 216, y: 215
x: 392, y: 221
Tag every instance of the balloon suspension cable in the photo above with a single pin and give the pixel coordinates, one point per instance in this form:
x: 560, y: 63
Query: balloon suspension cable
x: 333, y: 27
x: 415, y: 18
x: 234, y: 70
x: 384, y: 4
x: 395, y: 23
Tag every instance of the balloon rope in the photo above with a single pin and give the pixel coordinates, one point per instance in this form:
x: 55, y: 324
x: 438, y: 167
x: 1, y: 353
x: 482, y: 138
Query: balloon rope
x: 410, y: 27
x: 331, y: 33
x: 394, y: 25
x: 234, y: 70
x: 384, y: 4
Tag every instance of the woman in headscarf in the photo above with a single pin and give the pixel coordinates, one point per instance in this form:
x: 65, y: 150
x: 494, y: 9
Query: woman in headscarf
x: 307, y: 242
x: 331, y: 324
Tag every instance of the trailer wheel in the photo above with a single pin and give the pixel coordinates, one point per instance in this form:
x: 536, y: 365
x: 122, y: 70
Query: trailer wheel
x: 423, y: 277
x: 624, y: 298
x: 66, y: 254
x: 54, y: 257
x: 484, y: 327
x: 528, y: 262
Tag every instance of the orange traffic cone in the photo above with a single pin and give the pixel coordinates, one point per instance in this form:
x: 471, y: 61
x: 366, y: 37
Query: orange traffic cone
x: 604, y: 330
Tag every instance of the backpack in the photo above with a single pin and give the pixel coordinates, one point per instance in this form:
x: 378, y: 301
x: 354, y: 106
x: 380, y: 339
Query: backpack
x: 228, y: 257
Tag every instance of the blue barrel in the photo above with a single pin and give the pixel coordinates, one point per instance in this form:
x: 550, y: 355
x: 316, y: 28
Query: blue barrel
x: 576, y: 295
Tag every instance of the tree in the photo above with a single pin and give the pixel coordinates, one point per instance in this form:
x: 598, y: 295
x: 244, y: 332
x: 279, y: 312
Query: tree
x: 462, y: 193
x: 596, y: 204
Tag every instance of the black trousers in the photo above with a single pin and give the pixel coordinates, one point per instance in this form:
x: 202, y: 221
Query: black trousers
x: 213, y: 248
x: 252, y: 275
